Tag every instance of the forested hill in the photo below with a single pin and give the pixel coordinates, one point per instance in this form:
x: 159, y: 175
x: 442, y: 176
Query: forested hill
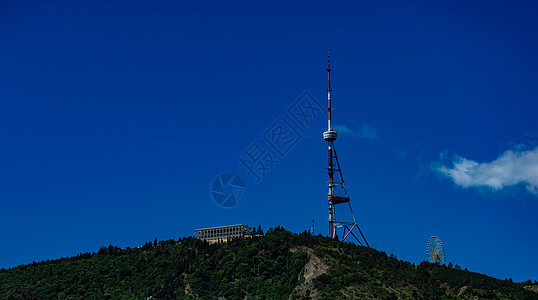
x: 277, y: 265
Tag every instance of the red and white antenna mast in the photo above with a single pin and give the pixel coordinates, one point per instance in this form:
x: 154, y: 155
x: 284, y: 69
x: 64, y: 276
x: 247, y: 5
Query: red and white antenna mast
x: 337, y: 190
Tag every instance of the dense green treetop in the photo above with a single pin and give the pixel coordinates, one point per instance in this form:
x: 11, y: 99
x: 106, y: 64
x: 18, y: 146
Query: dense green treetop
x: 273, y: 265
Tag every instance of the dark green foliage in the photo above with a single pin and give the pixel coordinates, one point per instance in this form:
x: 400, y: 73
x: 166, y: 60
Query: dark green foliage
x: 261, y: 267
x: 256, y: 267
x: 358, y: 272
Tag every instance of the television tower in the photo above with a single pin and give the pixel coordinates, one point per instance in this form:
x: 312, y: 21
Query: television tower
x: 337, y: 190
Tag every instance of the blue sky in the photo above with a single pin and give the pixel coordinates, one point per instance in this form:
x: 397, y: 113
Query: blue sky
x: 116, y: 117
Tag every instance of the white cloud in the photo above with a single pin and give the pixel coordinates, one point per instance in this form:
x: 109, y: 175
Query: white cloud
x: 402, y: 153
x: 513, y: 167
x: 363, y: 130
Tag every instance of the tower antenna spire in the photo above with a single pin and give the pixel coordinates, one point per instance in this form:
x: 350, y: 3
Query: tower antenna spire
x: 337, y: 189
x: 329, y: 108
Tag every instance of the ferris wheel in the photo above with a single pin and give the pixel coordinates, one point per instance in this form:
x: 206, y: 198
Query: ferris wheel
x: 435, y: 252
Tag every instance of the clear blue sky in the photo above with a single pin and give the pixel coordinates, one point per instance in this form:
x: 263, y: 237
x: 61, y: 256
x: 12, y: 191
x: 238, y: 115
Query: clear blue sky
x: 116, y: 117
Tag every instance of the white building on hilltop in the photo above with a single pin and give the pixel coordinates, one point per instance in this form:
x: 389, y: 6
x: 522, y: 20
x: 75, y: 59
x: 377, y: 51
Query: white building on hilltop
x: 223, y: 233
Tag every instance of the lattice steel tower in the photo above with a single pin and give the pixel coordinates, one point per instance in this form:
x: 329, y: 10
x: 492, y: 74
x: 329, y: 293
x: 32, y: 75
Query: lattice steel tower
x: 337, y: 190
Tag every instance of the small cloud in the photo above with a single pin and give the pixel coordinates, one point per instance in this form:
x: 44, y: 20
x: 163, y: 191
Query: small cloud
x: 513, y: 167
x: 403, y: 154
x: 363, y: 131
